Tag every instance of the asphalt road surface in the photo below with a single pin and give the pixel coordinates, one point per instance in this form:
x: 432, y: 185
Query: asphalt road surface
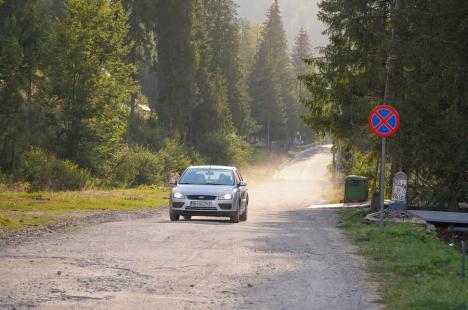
x: 285, y: 257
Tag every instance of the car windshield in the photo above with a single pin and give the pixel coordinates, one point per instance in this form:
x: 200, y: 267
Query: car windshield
x: 208, y: 176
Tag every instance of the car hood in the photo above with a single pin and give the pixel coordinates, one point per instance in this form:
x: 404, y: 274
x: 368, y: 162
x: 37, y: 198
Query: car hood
x: 212, y: 190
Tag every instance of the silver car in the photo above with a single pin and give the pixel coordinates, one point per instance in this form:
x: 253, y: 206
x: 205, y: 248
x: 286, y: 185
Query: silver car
x: 209, y: 191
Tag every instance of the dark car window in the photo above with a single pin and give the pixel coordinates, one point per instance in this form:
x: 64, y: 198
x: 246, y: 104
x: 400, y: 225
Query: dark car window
x: 207, y: 176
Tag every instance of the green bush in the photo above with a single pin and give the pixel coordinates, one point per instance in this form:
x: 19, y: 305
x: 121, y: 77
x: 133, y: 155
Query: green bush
x: 175, y: 157
x: 220, y: 148
x: 45, y: 172
x: 140, y: 166
x: 137, y: 166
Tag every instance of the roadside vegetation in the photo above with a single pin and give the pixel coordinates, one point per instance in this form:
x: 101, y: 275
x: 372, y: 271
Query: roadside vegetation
x: 415, y: 270
x: 22, y: 210
x: 123, y: 93
x: 428, y: 88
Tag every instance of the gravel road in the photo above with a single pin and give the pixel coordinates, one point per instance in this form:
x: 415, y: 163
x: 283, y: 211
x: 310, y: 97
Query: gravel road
x: 284, y: 257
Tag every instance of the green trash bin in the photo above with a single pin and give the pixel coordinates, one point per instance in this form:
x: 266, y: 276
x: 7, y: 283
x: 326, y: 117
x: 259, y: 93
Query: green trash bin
x: 356, y: 189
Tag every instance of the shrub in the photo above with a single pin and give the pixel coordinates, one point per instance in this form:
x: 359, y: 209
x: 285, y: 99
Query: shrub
x: 225, y: 149
x: 175, y: 157
x: 45, y: 172
x: 138, y: 166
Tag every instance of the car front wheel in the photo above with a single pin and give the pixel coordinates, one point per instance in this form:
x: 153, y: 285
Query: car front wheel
x: 236, y: 217
x: 243, y: 217
x: 174, y: 217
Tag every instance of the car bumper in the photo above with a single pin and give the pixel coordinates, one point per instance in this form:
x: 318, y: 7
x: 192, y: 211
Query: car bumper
x: 203, y: 213
x: 221, y: 207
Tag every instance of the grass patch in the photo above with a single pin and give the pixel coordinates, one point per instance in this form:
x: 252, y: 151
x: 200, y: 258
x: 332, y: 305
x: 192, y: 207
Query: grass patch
x: 417, y: 271
x: 20, y: 210
x: 13, y: 222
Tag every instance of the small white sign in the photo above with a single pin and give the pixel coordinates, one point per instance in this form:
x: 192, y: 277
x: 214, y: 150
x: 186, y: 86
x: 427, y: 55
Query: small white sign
x: 400, y: 184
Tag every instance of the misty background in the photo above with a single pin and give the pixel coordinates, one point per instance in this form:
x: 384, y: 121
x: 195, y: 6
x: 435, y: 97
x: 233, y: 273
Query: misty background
x: 296, y: 14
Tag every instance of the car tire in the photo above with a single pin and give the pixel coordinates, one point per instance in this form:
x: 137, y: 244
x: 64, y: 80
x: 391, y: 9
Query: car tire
x: 243, y: 216
x: 174, y: 217
x: 187, y: 217
x: 236, y: 217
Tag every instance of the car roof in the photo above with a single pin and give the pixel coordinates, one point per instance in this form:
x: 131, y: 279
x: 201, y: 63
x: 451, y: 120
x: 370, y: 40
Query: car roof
x: 214, y: 167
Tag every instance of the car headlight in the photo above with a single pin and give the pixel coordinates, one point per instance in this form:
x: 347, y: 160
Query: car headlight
x: 225, y: 197
x: 178, y: 195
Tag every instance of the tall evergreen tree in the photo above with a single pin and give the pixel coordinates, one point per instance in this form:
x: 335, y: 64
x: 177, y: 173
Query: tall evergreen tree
x: 90, y: 79
x: 301, y: 52
x: 224, y: 33
x: 271, y: 81
x: 250, y: 37
x: 21, y: 36
x: 177, y: 66
x: 212, y: 110
x: 141, y: 33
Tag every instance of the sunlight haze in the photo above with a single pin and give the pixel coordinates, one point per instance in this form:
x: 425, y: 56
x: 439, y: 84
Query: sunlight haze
x: 296, y: 14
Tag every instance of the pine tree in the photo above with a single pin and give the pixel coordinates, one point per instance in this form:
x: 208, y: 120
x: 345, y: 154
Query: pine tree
x: 177, y: 66
x: 271, y: 81
x: 212, y: 110
x: 141, y: 33
x: 250, y: 37
x: 301, y: 52
x: 21, y: 36
x: 224, y: 33
x: 90, y: 80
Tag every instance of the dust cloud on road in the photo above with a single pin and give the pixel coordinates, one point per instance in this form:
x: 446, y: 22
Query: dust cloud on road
x: 284, y: 257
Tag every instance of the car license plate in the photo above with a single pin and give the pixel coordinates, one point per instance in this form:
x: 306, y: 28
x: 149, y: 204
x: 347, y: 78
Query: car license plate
x: 201, y: 204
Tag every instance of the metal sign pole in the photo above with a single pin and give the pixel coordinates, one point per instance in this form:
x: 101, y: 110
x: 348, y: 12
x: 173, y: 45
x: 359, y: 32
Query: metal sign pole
x: 391, y: 67
x: 382, y: 183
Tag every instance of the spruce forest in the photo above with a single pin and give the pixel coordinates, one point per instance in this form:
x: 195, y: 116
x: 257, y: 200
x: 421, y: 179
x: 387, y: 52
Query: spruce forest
x: 127, y: 92
x: 122, y: 93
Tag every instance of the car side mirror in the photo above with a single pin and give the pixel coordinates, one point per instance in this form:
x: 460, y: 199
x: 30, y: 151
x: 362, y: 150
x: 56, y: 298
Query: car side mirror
x: 173, y: 182
x: 242, y: 184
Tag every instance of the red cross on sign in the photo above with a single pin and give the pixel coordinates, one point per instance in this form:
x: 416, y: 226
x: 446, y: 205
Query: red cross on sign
x: 384, y: 121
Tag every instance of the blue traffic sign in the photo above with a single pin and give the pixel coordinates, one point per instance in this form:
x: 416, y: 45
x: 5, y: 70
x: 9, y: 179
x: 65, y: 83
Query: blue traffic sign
x: 384, y: 121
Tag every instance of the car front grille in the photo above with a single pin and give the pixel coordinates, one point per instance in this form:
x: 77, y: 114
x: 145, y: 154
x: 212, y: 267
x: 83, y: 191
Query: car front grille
x: 201, y: 197
x: 201, y: 208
